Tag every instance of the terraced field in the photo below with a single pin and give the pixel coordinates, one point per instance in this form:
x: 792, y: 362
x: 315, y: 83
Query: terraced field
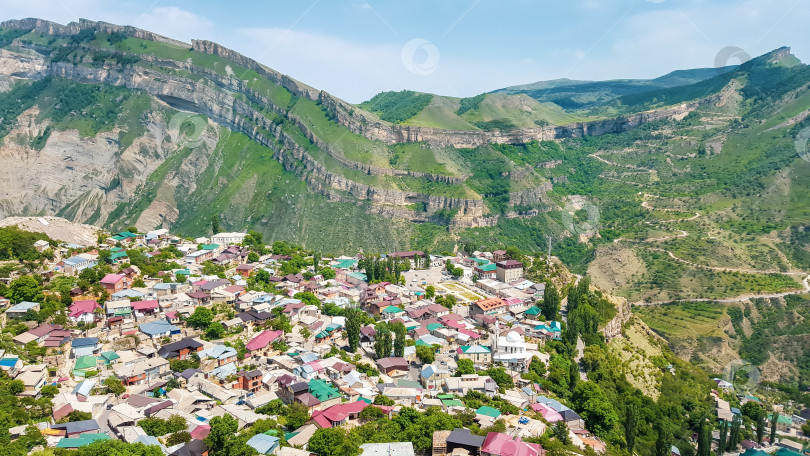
x: 684, y: 319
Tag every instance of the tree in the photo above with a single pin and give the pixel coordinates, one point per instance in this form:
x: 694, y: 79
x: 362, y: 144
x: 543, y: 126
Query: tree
x: 296, y: 414
x: 560, y: 431
x: 721, y: 444
x: 178, y: 437
x: 371, y: 413
x: 774, y: 422
x: 114, y: 386
x: 663, y: 445
x: 353, y: 329
x: 500, y: 377
x: 201, y: 318
x: 761, y: 427
x: 328, y: 273
x: 573, y: 375
x: 551, y: 302
x: 630, y: 426
x: 49, y: 391
x: 537, y: 366
x: 253, y: 257
x: 595, y: 408
x: 25, y: 288
x: 78, y: 415
x: 223, y: 429
x: 382, y: 399
x: 430, y: 291
x: 704, y: 438
x: 465, y: 367
x: 305, y: 333
x: 332, y: 441
x: 307, y: 297
x: 215, y: 330
x: 734, y: 435
x: 426, y: 354
x: 16, y: 386
x: 382, y: 341
x: 399, y: 338
x: 215, y: 224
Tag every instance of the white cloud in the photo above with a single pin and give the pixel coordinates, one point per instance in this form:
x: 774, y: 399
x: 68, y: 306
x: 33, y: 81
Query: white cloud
x: 175, y: 23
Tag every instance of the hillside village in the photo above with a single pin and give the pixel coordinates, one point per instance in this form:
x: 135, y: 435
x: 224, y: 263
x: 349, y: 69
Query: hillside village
x: 182, y: 344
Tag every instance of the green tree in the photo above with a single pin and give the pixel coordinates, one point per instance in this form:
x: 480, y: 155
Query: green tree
x: 560, y: 431
x: 333, y: 441
x: 400, y: 332
x: 353, y: 329
x: 382, y: 341
x: 296, y: 415
x: 49, y: 391
x: 465, y: 367
x: 201, y: 318
x: 114, y: 386
x: 774, y: 422
x: 551, y: 302
x: 573, y: 375
x: 426, y: 354
x: 253, y: 257
x: 663, y: 444
x: 382, y: 399
x: 25, y: 288
x: 761, y: 428
x: 305, y: 333
x: 223, y: 429
x: 430, y: 291
x: 595, y: 408
x: 16, y: 386
x: 178, y: 438
x: 371, y: 413
x: 78, y: 415
x: 500, y: 377
x: 215, y: 224
x: 630, y: 426
x: 215, y: 330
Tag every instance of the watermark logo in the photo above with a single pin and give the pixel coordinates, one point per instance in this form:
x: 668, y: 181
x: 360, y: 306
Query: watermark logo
x: 420, y: 56
x: 187, y: 129
x: 743, y: 375
x: 729, y: 55
x: 802, y: 140
x: 580, y: 217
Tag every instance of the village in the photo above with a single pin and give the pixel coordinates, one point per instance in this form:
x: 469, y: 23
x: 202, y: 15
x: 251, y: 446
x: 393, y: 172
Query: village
x: 234, y: 335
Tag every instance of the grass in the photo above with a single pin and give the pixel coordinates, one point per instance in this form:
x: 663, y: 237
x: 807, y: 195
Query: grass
x: 682, y: 319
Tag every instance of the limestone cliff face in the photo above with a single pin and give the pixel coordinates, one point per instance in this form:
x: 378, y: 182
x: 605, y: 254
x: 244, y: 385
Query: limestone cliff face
x: 362, y: 123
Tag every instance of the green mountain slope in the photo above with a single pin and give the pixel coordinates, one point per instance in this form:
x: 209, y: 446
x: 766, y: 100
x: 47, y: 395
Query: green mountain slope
x: 691, y: 190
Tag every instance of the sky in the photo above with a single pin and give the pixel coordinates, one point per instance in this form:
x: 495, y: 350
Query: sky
x: 357, y: 48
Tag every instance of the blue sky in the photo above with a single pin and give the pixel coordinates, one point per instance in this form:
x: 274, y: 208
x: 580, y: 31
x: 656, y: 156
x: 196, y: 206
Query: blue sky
x: 356, y: 48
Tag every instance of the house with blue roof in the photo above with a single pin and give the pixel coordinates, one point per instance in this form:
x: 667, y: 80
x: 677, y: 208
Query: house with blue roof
x: 77, y: 264
x: 221, y: 353
x: 84, y: 387
x: 84, y: 346
x: 432, y: 376
x: 159, y: 328
x: 264, y: 444
x: 18, y: 310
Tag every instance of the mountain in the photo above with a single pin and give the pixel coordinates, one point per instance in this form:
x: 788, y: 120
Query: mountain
x: 572, y: 94
x: 670, y: 189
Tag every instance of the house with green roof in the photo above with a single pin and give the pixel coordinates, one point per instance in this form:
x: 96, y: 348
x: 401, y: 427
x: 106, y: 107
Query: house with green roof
x: 324, y: 391
x: 533, y: 312
x: 109, y: 357
x: 85, y: 364
x: 478, y: 354
x: 345, y: 264
x: 485, y: 271
x: 118, y: 257
x: 488, y: 411
x: 81, y: 440
x: 392, y: 312
x: 209, y: 247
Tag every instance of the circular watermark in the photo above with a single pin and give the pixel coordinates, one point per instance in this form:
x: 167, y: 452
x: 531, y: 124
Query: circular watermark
x: 420, y: 56
x: 802, y: 139
x: 743, y: 375
x: 580, y: 217
x: 187, y: 129
x: 725, y: 57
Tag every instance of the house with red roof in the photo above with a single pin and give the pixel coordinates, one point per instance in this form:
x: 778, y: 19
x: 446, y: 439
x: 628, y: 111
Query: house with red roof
x: 83, y: 311
x: 338, y: 414
x: 142, y: 308
x: 114, y: 283
x: 498, y: 444
x: 261, y: 343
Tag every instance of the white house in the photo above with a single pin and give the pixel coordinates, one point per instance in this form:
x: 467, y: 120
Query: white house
x: 228, y: 238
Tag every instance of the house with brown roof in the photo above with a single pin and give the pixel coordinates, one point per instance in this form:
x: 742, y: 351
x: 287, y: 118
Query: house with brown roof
x: 490, y: 306
x: 393, y: 366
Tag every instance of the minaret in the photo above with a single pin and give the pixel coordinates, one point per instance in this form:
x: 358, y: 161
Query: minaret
x: 497, y: 333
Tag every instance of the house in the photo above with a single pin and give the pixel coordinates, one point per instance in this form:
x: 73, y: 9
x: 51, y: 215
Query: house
x: 393, y: 366
x: 293, y: 391
x: 114, y: 283
x: 470, y: 382
x: 85, y: 364
x: 220, y: 354
x: 83, y: 311
x: 432, y: 376
x: 18, y: 310
x: 508, y: 271
x: 490, y: 306
x: 338, y: 414
x: 485, y: 271
x: 325, y: 392
x: 33, y: 377
x: 264, y: 443
x: 478, y: 354
x: 387, y: 449
x: 462, y: 438
x: 182, y: 349
x: 142, y: 371
x: 250, y: 380
x: 85, y: 346
x: 77, y: 428
x: 498, y: 444
x: 142, y: 308
x: 228, y: 238
x: 77, y: 264
x: 158, y: 329
x: 262, y: 341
